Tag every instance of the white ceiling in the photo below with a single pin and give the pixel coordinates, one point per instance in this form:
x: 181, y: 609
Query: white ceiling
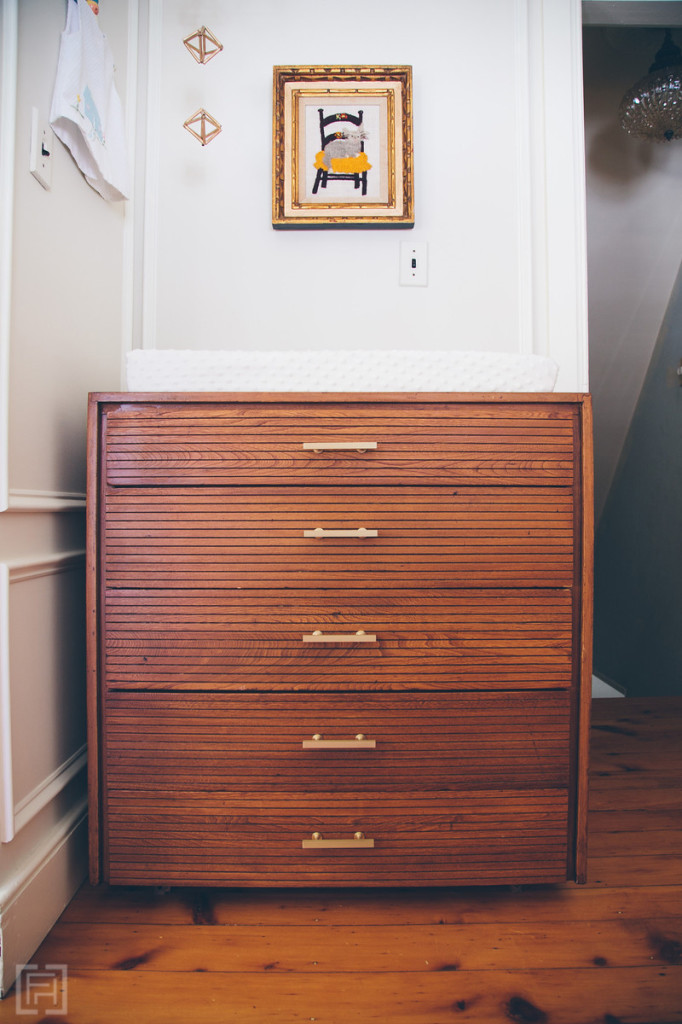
x: 644, y: 13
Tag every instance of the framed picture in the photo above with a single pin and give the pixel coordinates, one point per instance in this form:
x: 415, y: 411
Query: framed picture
x: 342, y: 147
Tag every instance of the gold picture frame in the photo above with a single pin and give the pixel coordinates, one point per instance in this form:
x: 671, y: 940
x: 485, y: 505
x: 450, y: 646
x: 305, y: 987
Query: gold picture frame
x: 342, y: 147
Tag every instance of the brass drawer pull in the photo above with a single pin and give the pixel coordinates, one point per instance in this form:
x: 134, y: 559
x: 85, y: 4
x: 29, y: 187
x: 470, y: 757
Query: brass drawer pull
x: 318, y: 533
x: 339, y: 446
x: 318, y: 637
x: 318, y: 843
x: 359, y: 743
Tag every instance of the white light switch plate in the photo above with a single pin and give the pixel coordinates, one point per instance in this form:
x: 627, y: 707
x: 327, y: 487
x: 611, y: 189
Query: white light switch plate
x: 41, y: 155
x: 414, y: 264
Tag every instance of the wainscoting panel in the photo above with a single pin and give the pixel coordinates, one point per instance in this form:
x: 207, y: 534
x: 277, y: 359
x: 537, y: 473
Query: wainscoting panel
x: 43, y: 686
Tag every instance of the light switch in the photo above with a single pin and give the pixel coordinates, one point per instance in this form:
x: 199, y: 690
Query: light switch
x: 41, y: 155
x: 414, y: 264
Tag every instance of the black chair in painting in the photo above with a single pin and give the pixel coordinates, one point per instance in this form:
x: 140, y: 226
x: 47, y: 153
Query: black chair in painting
x: 341, y: 149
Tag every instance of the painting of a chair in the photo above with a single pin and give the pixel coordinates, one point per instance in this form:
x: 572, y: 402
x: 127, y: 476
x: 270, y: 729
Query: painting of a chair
x: 342, y: 156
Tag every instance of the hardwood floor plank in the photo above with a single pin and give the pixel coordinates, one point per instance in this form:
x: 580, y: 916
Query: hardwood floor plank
x: 261, y: 907
x: 565, y: 996
x: 636, y: 797
x: 373, y: 948
x: 628, y: 870
x: 639, y: 843
x: 636, y: 819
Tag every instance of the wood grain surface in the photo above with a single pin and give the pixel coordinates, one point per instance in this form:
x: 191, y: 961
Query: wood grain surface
x: 470, y: 601
x: 606, y: 952
x: 458, y: 787
x: 236, y: 639
x: 423, y: 443
x: 251, y: 536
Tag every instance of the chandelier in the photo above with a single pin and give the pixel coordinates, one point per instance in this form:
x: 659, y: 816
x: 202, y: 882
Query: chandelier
x: 652, y: 108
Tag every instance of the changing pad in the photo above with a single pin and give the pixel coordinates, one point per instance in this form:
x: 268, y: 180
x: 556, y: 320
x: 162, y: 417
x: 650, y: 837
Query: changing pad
x: 374, y: 370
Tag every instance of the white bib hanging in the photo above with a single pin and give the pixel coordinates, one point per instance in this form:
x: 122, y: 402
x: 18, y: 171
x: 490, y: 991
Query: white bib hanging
x: 86, y: 111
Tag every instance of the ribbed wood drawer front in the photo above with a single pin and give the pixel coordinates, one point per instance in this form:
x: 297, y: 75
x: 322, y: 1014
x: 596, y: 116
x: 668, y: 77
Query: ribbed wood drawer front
x: 460, y: 788
x: 213, y: 639
x: 419, y: 443
x: 254, y: 537
x: 475, y: 838
x: 242, y: 742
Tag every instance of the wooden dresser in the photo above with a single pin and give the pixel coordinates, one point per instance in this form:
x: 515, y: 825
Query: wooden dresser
x: 339, y: 639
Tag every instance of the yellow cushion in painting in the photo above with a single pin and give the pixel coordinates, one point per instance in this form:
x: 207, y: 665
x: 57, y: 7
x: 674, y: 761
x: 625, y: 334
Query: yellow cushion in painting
x: 344, y: 164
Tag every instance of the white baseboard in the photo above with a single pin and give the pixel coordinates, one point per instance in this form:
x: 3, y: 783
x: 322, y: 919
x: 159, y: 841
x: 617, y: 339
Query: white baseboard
x: 32, y: 900
x: 45, y: 501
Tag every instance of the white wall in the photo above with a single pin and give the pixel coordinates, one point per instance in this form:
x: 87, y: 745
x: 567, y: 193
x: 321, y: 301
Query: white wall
x: 60, y: 336
x: 498, y: 184
x: 634, y: 219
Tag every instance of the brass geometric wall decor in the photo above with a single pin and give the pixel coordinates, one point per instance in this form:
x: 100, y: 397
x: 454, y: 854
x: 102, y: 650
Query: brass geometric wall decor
x: 197, y: 125
x: 203, y: 45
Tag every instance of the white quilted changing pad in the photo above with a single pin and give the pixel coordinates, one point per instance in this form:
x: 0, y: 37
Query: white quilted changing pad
x: 373, y: 370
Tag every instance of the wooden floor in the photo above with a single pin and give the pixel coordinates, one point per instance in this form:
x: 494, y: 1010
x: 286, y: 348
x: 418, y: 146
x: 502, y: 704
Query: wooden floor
x: 604, y: 953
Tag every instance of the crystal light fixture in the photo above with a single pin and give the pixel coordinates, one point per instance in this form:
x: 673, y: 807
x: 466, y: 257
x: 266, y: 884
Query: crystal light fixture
x: 652, y: 108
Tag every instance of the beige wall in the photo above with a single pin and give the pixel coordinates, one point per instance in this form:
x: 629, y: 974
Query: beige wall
x: 62, y: 339
x: 66, y: 280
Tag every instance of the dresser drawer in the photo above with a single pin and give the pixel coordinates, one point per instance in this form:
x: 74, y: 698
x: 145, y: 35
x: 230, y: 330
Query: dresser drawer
x: 474, y: 838
x: 289, y: 536
x: 429, y: 741
x: 383, y: 442
x: 452, y: 781
x: 493, y: 639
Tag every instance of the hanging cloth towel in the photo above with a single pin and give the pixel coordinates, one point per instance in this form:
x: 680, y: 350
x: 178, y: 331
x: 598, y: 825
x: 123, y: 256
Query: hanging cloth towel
x: 86, y: 111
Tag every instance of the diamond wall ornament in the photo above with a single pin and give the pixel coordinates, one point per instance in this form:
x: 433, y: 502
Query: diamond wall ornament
x: 202, y: 126
x: 203, y: 45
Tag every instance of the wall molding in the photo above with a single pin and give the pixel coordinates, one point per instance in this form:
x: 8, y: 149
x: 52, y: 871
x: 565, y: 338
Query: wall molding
x: 22, y: 569
x: 132, y: 103
x: 6, y: 782
x: 524, y: 178
x: 560, y: 256
x: 18, y: 571
x: 45, y: 501
x: 579, y: 196
x: 551, y: 189
x: 12, y: 888
x: 537, y: 180
x: 9, y: 29
x: 42, y: 883
x: 50, y: 787
x: 150, y: 232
